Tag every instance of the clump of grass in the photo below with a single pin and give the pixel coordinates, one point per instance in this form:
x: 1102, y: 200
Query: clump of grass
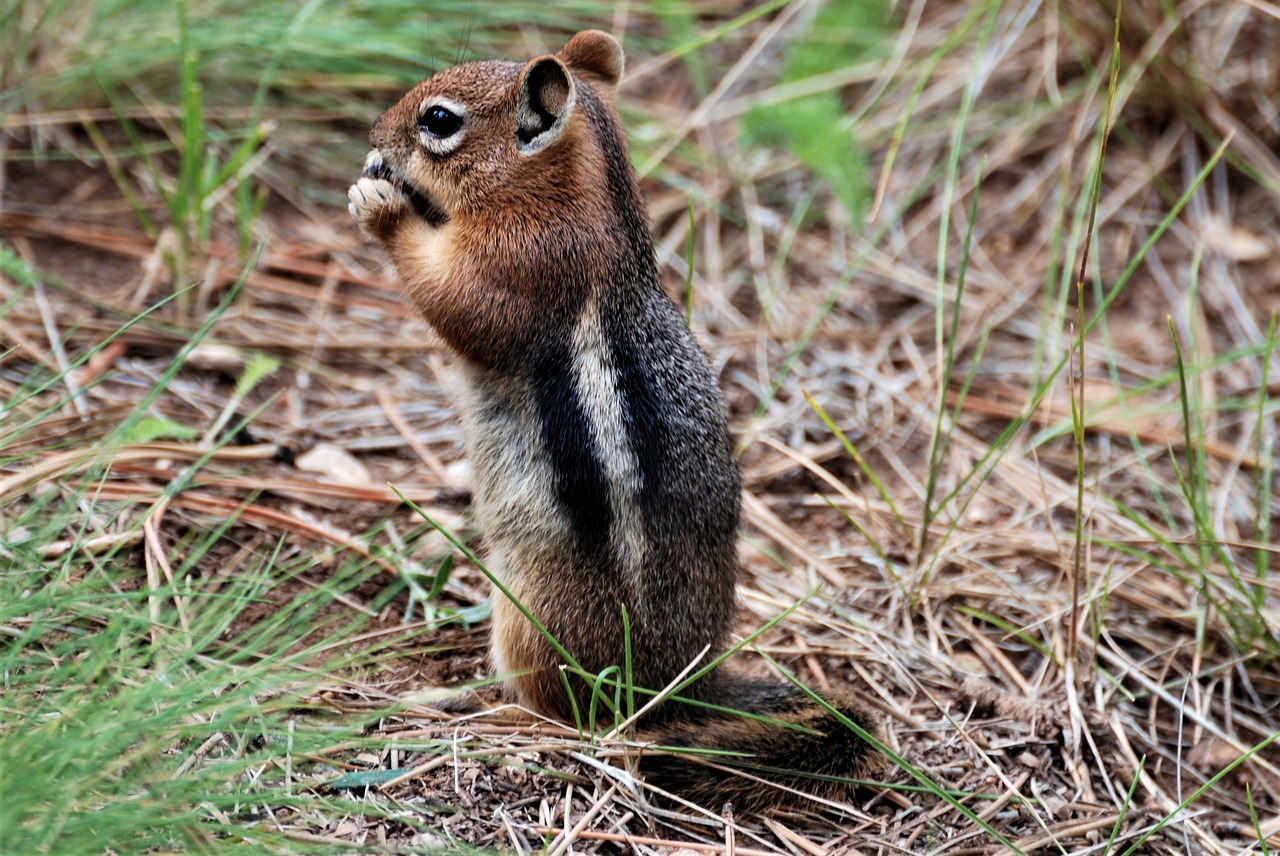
x: 145, y: 712
x: 124, y: 730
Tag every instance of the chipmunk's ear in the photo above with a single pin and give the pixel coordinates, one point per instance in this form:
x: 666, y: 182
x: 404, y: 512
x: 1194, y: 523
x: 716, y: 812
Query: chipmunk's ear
x: 595, y: 56
x: 544, y: 101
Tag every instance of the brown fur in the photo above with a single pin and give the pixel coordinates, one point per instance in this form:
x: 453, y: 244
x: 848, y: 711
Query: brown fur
x: 604, y: 477
x: 472, y: 281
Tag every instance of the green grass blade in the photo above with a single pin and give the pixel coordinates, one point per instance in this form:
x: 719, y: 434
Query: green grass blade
x: 861, y: 462
x: 1199, y: 792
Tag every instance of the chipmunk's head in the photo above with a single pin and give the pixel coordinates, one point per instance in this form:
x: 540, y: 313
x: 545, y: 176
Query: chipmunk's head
x: 482, y: 138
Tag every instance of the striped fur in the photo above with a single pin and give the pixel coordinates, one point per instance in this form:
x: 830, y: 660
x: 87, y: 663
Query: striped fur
x: 603, y: 472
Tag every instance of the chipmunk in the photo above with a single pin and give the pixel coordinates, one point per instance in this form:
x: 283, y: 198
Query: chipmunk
x: 604, y: 478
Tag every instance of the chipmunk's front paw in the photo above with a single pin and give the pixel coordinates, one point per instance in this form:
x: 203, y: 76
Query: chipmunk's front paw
x: 377, y: 206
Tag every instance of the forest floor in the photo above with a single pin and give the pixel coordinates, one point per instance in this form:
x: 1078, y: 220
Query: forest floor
x: 1056, y: 584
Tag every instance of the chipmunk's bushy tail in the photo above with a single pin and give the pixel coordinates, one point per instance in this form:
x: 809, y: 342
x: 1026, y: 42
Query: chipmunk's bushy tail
x: 803, y: 748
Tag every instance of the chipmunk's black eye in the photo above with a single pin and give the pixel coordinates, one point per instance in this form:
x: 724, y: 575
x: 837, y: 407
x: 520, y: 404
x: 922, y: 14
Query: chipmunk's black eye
x: 440, y: 122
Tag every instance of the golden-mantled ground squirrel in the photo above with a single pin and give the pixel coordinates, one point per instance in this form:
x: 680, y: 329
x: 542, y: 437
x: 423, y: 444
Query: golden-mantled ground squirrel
x: 603, y: 473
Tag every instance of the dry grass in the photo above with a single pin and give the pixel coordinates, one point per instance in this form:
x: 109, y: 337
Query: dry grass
x: 1074, y: 722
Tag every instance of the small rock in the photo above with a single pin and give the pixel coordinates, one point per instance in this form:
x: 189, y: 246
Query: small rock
x: 335, y: 463
x: 216, y: 358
